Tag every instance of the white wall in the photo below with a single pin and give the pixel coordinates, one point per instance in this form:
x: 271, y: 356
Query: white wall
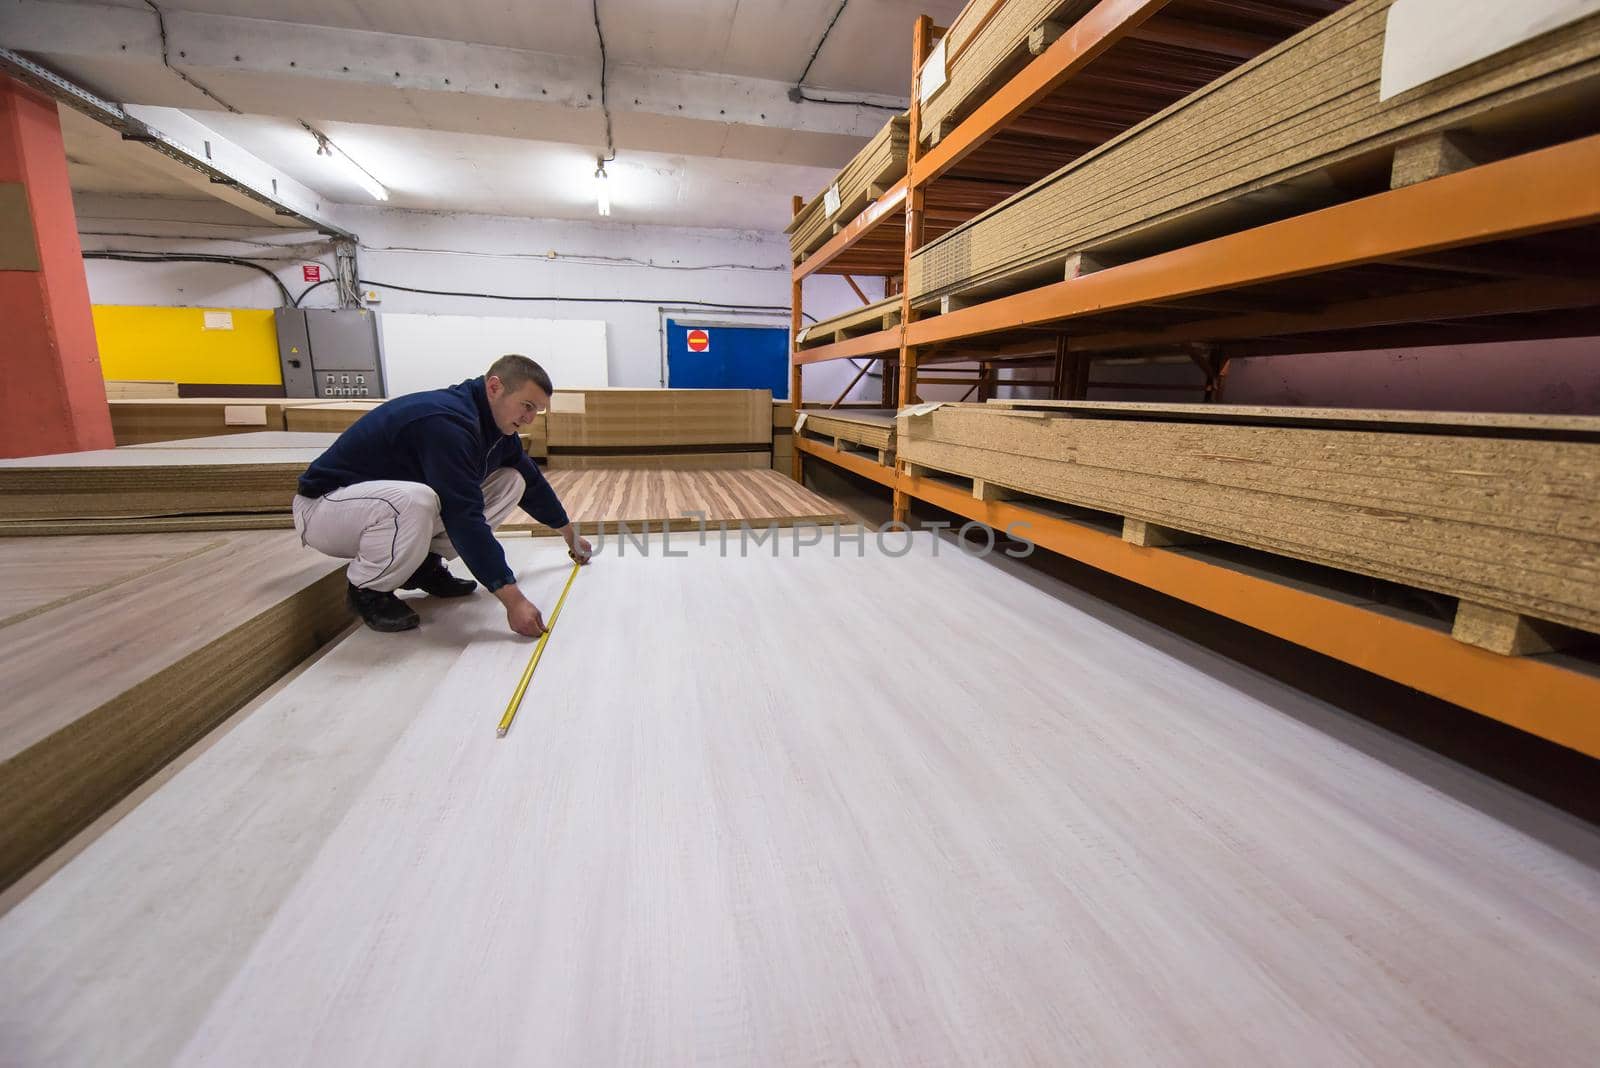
x: 622, y: 274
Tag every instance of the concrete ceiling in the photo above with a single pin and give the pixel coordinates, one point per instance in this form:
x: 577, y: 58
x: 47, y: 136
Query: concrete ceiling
x: 491, y: 105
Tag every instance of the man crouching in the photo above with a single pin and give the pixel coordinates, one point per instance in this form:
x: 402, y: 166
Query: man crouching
x: 427, y: 477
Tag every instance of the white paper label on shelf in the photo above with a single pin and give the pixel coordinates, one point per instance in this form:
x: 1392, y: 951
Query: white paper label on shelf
x: 1427, y: 39
x: 830, y: 200
x: 918, y: 410
x: 799, y: 422
x: 244, y: 415
x: 570, y: 403
x: 219, y: 320
x: 801, y: 336
x: 933, y: 78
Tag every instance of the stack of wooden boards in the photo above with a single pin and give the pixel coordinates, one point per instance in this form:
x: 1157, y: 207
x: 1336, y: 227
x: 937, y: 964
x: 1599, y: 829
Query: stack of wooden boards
x: 231, y: 482
x: 140, y: 421
x: 327, y: 417
x: 879, y: 315
x: 1497, y: 510
x: 782, y: 436
x: 668, y: 428
x: 989, y: 41
x: 863, y: 179
x: 122, y: 651
x: 1203, y: 166
x: 842, y: 428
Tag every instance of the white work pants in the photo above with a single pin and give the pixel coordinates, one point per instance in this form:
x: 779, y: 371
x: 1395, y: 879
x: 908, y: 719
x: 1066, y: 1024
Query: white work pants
x: 386, y: 529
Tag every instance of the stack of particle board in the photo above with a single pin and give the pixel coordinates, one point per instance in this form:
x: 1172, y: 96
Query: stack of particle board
x: 875, y: 168
x: 122, y: 651
x: 536, y: 437
x: 230, y: 482
x: 879, y: 315
x: 125, y: 389
x: 1500, y: 511
x: 671, y: 428
x: 136, y: 422
x: 989, y: 42
x: 868, y: 428
x: 325, y: 417
x: 782, y: 436
x: 1204, y: 165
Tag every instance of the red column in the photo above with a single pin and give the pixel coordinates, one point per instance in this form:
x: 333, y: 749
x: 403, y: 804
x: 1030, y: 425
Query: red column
x: 52, y: 394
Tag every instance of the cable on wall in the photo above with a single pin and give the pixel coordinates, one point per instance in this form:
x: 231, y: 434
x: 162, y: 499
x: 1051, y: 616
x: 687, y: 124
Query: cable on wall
x: 178, y: 257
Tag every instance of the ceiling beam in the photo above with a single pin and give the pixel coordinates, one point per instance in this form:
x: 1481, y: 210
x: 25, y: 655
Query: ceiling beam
x: 266, y: 67
x: 192, y: 152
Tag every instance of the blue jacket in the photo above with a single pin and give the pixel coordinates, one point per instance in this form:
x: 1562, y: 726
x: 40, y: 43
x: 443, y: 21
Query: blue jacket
x: 447, y: 440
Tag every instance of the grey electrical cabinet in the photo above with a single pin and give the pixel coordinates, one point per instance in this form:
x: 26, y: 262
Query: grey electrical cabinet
x: 330, y: 352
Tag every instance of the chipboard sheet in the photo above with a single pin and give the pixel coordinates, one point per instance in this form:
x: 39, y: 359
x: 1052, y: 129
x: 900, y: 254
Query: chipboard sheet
x: 995, y: 825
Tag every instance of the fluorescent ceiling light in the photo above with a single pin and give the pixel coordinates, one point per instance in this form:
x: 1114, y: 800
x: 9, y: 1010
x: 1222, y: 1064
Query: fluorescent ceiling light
x: 601, y: 192
x: 351, y: 169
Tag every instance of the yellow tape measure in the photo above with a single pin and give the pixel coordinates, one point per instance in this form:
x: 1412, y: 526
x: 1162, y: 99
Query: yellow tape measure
x: 533, y: 661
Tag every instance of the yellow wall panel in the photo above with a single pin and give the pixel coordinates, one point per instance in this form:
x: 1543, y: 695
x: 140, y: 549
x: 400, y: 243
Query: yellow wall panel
x: 176, y: 345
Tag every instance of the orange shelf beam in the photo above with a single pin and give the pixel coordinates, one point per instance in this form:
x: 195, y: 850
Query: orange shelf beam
x: 873, y: 344
x: 1534, y: 696
x: 858, y: 465
x: 871, y: 217
x: 1103, y: 26
x: 1530, y: 694
x: 1549, y: 189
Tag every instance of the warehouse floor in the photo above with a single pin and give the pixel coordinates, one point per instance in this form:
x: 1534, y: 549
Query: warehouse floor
x: 726, y: 827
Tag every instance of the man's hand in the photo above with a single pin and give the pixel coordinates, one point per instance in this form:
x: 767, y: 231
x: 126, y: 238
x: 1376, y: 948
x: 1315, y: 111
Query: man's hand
x: 577, y: 547
x: 522, y: 615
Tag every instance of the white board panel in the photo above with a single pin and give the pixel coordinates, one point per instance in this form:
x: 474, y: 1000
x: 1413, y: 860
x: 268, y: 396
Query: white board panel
x: 430, y: 351
x: 1427, y: 39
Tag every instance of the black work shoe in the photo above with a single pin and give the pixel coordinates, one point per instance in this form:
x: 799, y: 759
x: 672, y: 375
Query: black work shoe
x: 435, y: 579
x: 382, y: 610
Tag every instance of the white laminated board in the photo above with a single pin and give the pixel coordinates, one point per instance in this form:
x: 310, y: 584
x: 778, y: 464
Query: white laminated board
x: 431, y: 351
x: 1427, y: 39
x: 1079, y: 841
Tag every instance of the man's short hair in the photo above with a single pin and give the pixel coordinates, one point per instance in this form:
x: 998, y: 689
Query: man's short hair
x: 514, y: 371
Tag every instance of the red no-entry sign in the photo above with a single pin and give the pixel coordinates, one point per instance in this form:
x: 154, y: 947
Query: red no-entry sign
x: 699, y: 341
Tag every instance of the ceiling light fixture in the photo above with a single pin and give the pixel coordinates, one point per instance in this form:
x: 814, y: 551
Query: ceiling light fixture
x: 601, y: 192
x: 351, y: 169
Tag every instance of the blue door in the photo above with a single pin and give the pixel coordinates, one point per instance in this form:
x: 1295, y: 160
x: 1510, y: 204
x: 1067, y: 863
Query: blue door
x: 728, y: 357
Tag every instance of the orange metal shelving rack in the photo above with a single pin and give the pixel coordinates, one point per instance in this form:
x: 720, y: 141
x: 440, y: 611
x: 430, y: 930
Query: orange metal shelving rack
x: 1547, y: 191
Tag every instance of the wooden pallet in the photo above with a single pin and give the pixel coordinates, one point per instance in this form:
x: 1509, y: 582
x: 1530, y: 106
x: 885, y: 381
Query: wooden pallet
x: 850, y: 431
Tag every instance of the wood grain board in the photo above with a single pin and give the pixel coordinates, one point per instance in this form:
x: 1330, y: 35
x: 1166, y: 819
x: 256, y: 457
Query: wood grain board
x: 1508, y: 522
x: 1078, y: 842
x: 121, y: 651
x: 876, y: 167
x: 710, y: 460
x: 1305, y: 106
x: 600, y: 500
